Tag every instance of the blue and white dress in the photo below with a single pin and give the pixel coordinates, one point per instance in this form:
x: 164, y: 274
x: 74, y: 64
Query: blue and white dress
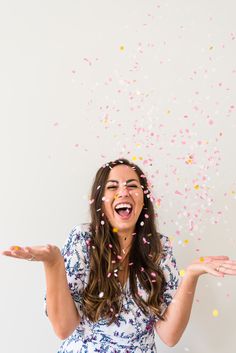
x: 133, y: 332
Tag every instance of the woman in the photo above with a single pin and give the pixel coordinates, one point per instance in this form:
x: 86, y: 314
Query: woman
x: 114, y: 281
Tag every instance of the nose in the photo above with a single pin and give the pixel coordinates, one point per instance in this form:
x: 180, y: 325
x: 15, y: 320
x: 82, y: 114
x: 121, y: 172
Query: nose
x: 122, y: 191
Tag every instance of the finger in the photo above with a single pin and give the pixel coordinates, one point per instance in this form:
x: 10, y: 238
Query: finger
x: 15, y: 247
x: 215, y: 272
x: 217, y: 257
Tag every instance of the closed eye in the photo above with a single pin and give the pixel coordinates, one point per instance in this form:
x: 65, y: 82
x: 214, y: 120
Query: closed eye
x: 129, y: 186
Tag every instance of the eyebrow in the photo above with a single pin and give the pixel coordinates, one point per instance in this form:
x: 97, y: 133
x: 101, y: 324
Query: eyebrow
x: 127, y: 181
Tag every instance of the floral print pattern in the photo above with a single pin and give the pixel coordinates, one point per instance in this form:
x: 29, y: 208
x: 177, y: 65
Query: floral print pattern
x: 133, y: 332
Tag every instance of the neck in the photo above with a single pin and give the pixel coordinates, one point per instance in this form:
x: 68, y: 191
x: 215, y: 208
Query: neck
x: 125, y: 241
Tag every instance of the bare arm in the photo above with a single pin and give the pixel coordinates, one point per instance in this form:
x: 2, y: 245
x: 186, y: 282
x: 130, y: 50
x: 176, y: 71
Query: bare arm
x: 178, y: 312
x: 61, y: 308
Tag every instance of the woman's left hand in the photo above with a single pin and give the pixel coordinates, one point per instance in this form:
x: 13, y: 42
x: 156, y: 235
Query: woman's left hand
x: 216, y: 265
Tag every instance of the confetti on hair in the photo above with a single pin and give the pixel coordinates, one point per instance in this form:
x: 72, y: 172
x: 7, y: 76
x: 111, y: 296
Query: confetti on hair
x: 119, y: 257
x: 146, y: 215
x: 109, y: 274
x: 153, y: 274
x: 142, y: 269
x: 101, y: 294
x: 215, y: 313
x: 110, y: 245
x: 91, y: 201
x: 142, y: 224
x: 98, y: 187
x: 145, y: 241
x: 102, y: 222
x: 115, y: 230
x: 182, y: 273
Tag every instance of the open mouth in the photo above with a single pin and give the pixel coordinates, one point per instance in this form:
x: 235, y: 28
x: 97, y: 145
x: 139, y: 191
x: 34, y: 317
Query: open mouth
x: 124, y: 210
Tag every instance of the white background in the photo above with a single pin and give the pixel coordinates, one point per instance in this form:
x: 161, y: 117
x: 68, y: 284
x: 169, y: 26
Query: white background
x: 86, y: 82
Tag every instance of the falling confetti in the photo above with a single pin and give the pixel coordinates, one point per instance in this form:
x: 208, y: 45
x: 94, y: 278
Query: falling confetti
x: 215, y: 313
x: 182, y: 273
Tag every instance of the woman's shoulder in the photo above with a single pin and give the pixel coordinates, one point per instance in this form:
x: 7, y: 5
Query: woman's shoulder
x: 79, y: 236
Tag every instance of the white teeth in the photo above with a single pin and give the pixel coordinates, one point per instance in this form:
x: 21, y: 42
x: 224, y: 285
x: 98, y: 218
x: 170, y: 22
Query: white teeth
x: 123, y: 205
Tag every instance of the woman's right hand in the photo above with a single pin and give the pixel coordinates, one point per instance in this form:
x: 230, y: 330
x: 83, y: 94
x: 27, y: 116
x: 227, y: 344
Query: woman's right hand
x: 49, y: 254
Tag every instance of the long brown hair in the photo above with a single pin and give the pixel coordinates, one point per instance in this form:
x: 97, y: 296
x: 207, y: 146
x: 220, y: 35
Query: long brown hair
x: 102, y: 295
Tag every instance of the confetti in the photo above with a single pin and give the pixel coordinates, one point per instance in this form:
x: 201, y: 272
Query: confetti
x: 146, y: 215
x: 201, y: 259
x: 196, y: 187
x: 102, y: 222
x: 109, y: 274
x: 122, y: 48
x: 101, y: 294
x: 215, y: 313
x: 16, y: 248
x: 182, y: 273
x: 115, y: 230
x: 142, y: 223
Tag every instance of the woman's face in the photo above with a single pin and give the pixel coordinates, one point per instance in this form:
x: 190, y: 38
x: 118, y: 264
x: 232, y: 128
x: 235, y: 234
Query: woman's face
x: 124, y: 198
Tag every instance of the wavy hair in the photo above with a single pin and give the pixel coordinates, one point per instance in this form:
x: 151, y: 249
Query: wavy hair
x: 102, y: 297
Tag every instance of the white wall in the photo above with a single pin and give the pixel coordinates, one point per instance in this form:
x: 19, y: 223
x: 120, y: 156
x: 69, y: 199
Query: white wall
x: 71, y: 100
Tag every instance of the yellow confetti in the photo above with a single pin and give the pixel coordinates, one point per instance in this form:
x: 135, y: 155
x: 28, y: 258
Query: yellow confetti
x: 134, y: 158
x: 122, y: 48
x: 215, y: 313
x: 141, y: 158
x: 16, y: 248
x: 196, y: 187
x: 186, y: 241
x: 211, y: 47
x: 182, y: 272
x: 115, y: 230
x: 201, y: 259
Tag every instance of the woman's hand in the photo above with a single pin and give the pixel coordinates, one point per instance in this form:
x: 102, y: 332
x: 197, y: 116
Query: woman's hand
x: 49, y: 254
x: 216, y: 265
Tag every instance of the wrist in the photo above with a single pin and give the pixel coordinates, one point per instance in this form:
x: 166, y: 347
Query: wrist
x: 189, y: 273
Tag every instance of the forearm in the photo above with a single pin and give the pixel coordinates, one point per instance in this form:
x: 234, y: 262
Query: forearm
x: 178, y: 312
x: 61, y: 308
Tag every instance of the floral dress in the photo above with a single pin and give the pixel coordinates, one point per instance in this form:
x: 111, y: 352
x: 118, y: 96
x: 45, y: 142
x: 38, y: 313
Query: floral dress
x: 133, y: 332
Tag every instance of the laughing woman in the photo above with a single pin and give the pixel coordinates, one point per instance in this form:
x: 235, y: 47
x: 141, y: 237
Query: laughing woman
x: 115, y: 282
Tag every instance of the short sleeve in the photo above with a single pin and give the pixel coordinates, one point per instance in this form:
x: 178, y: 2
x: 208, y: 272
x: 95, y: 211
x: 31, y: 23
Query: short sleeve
x: 170, y: 270
x: 75, y: 253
